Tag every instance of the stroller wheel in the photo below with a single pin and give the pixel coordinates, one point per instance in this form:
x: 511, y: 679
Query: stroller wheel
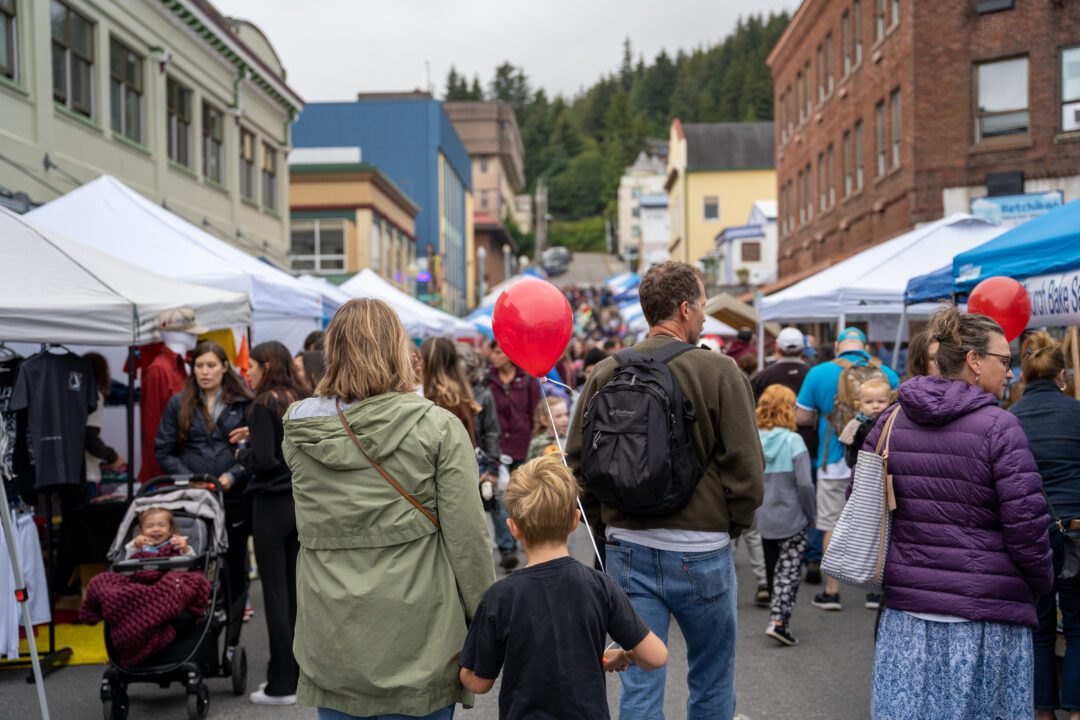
x: 115, y: 709
x: 238, y: 671
x: 198, y: 703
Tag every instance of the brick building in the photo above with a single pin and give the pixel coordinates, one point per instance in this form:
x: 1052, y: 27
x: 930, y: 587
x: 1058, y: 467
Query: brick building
x: 893, y: 113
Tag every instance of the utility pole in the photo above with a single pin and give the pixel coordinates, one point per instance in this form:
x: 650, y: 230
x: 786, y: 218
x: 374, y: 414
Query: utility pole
x: 541, y: 218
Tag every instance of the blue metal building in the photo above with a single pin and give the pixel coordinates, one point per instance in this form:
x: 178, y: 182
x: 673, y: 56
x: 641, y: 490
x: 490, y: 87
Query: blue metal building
x: 408, y: 136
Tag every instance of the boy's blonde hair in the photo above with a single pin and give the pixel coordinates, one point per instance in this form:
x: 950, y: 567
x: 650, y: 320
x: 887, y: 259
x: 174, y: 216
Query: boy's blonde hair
x: 541, y: 414
x: 542, y: 499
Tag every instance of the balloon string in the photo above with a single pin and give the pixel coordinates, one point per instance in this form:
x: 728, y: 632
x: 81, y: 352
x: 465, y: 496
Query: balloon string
x: 562, y: 454
x: 546, y: 379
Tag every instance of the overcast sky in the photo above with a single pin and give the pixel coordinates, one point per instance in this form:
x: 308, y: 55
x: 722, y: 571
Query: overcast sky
x: 333, y: 49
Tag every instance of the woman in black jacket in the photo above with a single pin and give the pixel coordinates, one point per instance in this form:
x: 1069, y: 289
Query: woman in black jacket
x: 198, y: 434
x: 273, y: 514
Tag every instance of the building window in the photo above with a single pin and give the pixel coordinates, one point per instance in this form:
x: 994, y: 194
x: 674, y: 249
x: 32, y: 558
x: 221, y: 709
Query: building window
x: 879, y: 19
x: 847, y: 161
x: 830, y: 174
x: 856, y: 30
x: 712, y: 207
x: 9, y: 34
x: 213, y: 156
x: 809, y: 194
x: 1003, y: 98
x: 72, y: 59
x: 988, y: 6
x: 882, y: 152
x: 894, y: 102
x: 823, y: 200
x: 895, y: 14
x: 858, y: 156
x: 751, y: 252
x: 791, y: 206
x: 635, y: 230
x: 269, y: 177
x: 178, y: 110
x: 318, y: 245
x: 845, y: 42
x: 799, y: 94
x: 483, y: 199
x: 830, y: 81
x: 376, y: 245
x: 483, y: 164
x: 126, y: 79
x: 1070, y: 90
x: 636, y: 211
x: 820, y: 74
x: 799, y: 200
x: 247, y: 164
x: 809, y: 99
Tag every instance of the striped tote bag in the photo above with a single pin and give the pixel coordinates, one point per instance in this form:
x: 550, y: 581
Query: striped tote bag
x: 860, y: 541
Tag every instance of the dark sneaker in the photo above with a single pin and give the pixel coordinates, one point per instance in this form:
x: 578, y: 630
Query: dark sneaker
x: 509, y: 560
x: 813, y: 573
x: 873, y: 601
x: 781, y: 634
x: 761, y: 597
x: 827, y: 601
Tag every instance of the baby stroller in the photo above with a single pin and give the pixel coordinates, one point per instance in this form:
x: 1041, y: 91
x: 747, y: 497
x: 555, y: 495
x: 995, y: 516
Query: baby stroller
x: 195, y: 653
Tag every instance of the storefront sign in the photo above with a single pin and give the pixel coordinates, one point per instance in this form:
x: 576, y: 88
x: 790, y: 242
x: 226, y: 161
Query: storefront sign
x: 1013, y: 210
x: 1055, y: 299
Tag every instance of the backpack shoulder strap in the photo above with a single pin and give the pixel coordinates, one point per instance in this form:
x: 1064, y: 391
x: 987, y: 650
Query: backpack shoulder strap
x: 844, y: 362
x: 626, y: 356
x: 671, y: 351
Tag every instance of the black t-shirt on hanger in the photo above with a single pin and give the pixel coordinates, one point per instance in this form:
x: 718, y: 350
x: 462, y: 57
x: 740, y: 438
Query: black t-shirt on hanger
x: 15, y: 456
x: 58, y: 392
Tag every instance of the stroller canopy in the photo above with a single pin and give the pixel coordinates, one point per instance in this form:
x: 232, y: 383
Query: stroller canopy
x: 196, y: 502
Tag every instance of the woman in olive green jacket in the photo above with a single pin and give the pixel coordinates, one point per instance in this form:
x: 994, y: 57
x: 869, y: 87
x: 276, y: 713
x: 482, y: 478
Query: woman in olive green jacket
x: 394, y: 547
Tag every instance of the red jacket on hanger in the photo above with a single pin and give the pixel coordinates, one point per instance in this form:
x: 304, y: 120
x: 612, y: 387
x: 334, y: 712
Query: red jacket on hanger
x: 162, y: 378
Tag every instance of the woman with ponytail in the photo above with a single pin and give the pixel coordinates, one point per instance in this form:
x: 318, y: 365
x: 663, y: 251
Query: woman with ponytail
x: 968, y: 556
x: 1051, y: 421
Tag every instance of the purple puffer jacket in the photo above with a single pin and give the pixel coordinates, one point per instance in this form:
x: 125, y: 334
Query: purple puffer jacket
x: 969, y: 534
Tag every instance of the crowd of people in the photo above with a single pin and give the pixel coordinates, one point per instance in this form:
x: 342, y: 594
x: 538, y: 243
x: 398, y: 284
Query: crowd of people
x: 362, y: 467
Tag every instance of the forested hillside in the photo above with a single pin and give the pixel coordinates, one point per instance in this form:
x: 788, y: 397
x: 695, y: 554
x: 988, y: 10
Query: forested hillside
x: 581, y: 145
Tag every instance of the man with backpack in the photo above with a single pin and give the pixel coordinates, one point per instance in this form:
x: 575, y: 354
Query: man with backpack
x: 830, y: 397
x: 665, y: 445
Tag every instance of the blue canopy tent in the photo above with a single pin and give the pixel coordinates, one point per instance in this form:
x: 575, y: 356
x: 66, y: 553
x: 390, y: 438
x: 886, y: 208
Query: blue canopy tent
x: 930, y: 287
x: 1045, y: 245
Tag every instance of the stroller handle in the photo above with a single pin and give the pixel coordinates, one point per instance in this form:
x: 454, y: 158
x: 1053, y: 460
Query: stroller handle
x: 164, y: 483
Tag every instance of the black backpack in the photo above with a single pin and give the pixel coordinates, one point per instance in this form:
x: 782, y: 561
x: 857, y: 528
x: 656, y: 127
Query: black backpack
x: 636, y: 451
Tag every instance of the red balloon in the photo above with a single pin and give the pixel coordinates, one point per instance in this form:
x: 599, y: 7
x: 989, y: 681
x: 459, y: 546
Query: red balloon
x: 1004, y: 300
x: 532, y: 322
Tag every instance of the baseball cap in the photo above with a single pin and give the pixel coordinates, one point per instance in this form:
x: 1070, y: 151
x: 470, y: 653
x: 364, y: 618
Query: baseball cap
x: 851, y: 333
x: 789, y: 339
x: 179, y: 320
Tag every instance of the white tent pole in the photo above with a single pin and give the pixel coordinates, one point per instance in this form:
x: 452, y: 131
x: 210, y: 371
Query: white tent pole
x: 899, y: 337
x: 841, y: 323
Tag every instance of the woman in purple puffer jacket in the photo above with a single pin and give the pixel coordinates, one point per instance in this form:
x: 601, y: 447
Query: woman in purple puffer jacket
x: 969, y: 555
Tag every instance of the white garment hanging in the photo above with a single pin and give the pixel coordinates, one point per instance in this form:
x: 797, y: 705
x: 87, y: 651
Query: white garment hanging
x: 28, y: 550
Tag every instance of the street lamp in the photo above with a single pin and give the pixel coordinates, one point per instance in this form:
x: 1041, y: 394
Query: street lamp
x: 481, y: 257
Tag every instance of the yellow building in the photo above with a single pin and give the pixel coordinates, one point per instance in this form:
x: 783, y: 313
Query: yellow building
x: 350, y: 216
x: 715, y: 174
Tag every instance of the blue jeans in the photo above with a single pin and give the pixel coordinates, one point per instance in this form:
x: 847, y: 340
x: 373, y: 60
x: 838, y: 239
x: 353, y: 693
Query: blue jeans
x: 503, y: 539
x: 1066, y: 593
x: 699, y: 590
x: 814, y: 540
x: 447, y: 713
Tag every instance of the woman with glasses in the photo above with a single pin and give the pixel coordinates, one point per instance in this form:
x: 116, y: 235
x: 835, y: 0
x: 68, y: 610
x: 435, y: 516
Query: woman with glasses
x: 968, y: 557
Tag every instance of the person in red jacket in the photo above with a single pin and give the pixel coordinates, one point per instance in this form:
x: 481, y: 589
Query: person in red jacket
x: 163, y: 378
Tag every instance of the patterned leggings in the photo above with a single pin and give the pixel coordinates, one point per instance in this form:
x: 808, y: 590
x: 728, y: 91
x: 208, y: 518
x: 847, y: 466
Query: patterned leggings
x: 783, y: 567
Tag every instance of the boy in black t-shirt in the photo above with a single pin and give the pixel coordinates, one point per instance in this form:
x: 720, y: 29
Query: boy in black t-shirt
x: 545, y: 626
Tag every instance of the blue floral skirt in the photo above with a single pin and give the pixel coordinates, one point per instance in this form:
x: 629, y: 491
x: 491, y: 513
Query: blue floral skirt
x: 951, y: 671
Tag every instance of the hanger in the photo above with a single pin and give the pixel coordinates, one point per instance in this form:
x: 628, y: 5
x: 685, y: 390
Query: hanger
x: 46, y: 347
x: 7, y: 353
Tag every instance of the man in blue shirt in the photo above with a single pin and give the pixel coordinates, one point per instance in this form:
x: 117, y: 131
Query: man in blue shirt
x: 816, y: 399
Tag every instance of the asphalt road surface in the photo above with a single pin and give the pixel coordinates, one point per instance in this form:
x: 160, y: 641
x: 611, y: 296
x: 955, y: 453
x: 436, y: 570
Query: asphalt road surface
x: 589, y: 269
x: 825, y: 677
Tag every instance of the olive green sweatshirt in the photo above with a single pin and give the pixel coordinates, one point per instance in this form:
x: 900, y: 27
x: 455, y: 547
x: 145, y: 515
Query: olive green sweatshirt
x: 733, y: 483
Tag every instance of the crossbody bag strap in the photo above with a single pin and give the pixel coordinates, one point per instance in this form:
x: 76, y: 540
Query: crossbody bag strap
x: 1050, y: 507
x: 404, y: 493
x: 882, y: 449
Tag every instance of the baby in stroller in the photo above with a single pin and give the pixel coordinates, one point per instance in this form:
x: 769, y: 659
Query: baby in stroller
x: 157, y: 536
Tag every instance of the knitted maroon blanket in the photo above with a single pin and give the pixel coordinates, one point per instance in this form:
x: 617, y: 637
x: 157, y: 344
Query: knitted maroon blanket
x: 139, y: 608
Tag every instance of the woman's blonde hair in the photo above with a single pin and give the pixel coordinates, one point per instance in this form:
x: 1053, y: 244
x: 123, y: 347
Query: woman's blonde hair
x: 1041, y: 357
x: 366, y: 352
x: 541, y: 414
x: 776, y: 408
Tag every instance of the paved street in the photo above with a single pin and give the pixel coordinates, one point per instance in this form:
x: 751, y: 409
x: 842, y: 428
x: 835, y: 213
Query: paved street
x: 826, y: 677
x: 589, y: 269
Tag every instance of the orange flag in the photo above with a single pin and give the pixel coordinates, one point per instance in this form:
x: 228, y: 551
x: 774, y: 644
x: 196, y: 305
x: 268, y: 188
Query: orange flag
x: 243, y: 359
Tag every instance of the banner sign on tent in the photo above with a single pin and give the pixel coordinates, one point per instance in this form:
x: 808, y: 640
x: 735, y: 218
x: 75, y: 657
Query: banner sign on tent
x: 1055, y: 299
x: 1013, y: 210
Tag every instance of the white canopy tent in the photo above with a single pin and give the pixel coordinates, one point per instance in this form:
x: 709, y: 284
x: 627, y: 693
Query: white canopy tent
x: 332, y: 296
x: 109, y: 216
x: 420, y: 320
x: 59, y: 291
x: 872, y: 283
